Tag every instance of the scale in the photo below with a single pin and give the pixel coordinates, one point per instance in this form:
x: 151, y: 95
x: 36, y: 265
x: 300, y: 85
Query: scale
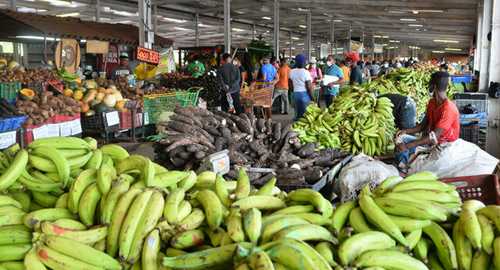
x: 67, y: 55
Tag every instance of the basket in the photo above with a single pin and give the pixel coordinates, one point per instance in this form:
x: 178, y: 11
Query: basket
x: 484, y: 188
x: 12, y: 123
x: 154, y: 105
x: 9, y: 90
x: 260, y: 94
x: 470, y: 132
x: 98, y: 123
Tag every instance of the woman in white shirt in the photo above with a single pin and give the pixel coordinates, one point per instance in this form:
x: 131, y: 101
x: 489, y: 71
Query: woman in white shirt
x: 300, y: 82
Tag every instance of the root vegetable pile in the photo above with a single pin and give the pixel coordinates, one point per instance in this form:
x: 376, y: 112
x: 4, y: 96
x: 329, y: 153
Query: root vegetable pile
x: 193, y: 133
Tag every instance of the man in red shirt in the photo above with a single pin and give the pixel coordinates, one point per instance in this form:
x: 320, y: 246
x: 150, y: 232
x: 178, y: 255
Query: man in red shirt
x: 440, y: 125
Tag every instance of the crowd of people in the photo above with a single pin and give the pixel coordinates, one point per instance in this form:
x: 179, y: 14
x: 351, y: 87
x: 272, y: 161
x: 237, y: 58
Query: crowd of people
x: 306, y: 79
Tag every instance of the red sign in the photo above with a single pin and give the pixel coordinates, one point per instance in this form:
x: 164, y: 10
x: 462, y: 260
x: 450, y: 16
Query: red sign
x: 148, y: 56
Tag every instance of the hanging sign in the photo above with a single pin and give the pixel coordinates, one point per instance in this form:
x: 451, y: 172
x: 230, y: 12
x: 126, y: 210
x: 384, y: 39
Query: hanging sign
x: 378, y: 48
x: 98, y: 47
x: 148, y: 56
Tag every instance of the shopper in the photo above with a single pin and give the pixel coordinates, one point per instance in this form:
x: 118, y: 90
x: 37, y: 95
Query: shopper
x: 375, y: 69
x: 441, y: 124
x: 243, y: 72
x: 316, y: 74
x: 404, y: 111
x: 356, y: 73
x: 229, y: 79
x: 345, y: 70
x: 269, y: 72
x: 123, y: 69
x: 332, y: 89
x: 301, y: 84
x: 281, y: 87
x: 249, y: 68
x: 275, y: 62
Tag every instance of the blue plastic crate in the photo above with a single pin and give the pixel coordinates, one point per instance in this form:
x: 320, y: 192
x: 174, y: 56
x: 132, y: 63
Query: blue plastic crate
x: 461, y: 78
x: 12, y: 123
x: 481, y: 118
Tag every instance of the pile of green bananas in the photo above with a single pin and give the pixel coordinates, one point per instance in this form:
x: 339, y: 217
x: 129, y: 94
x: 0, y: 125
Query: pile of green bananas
x: 356, y: 122
x: 124, y: 211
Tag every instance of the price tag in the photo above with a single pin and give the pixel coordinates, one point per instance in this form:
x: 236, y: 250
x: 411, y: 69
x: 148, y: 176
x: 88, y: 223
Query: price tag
x: 112, y: 118
x: 65, y: 129
x: 7, y: 139
x: 40, y: 132
x: 76, y: 127
x: 146, y: 118
x: 52, y: 130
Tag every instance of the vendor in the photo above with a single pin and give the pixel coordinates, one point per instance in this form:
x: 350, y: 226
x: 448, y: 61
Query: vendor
x: 404, y: 111
x: 331, y: 90
x: 196, y: 68
x: 441, y: 124
x: 300, y: 83
x: 123, y: 69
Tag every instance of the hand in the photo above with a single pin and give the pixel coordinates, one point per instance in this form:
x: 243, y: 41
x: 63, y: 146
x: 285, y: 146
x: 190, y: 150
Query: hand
x: 401, y: 147
x: 400, y: 132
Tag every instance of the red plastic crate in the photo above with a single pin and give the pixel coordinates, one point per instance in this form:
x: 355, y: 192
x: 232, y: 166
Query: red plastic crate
x: 484, y: 188
x: 126, y: 120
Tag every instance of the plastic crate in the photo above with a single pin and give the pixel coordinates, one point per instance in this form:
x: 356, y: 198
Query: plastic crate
x: 12, y: 123
x: 9, y: 90
x: 478, y: 100
x: 126, y: 119
x: 154, y: 105
x: 461, y: 78
x: 470, y: 132
x: 98, y: 123
x: 484, y: 188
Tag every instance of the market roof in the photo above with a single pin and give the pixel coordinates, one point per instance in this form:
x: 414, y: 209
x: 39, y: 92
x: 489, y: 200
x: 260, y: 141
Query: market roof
x: 28, y: 24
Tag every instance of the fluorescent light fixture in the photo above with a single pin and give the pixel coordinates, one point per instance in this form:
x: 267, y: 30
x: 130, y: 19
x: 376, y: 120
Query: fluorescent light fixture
x: 60, y: 3
x: 302, y: 9
x: 267, y: 18
x: 397, y: 12
x: 429, y: 11
x: 181, y: 28
x: 302, y: 26
x: 414, y: 47
x: 408, y: 20
x: 377, y: 36
x: 174, y: 20
x: 385, y: 44
x: 446, y: 41
x: 394, y: 41
x: 239, y: 12
x: 293, y: 48
x: 300, y: 44
x: 72, y: 14
x: 385, y: 36
x: 238, y: 30
x: 38, y: 38
x: 295, y: 38
x: 437, y: 51
x: 204, y: 25
x: 415, y: 25
x: 337, y: 20
x: 120, y: 12
x: 453, y: 49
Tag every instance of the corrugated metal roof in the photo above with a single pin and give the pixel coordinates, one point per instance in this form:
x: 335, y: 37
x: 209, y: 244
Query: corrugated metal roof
x: 20, y: 24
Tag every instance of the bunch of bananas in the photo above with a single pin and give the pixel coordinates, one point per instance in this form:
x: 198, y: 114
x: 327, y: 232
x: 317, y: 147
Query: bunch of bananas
x: 356, y: 122
x: 127, y: 212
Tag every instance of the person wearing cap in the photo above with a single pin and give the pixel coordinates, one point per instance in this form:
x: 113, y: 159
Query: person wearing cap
x: 441, y: 124
x: 123, y: 69
x: 300, y: 82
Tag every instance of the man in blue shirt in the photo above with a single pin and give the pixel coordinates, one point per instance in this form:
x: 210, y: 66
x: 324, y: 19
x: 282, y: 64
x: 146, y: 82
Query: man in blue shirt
x: 269, y: 72
x: 332, y: 89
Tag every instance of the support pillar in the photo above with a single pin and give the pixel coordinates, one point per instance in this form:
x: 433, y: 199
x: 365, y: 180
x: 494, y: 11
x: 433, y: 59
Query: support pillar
x: 485, y: 48
x: 308, y: 43
x: 13, y: 5
x: 349, y: 37
x: 155, y: 18
x: 254, y: 31
x: 227, y: 26
x: 363, y: 45
x: 146, y: 35
x: 98, y: 10
x: 479, y: 35
x: 332, y: 37
x: 373, y: 48
x: 495, y: 44
x: 290, y: 45
x: 196, y: 30
x: 276, y: 39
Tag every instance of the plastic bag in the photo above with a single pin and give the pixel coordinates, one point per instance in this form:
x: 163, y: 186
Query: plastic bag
x: 459, y: 158
x: 360, y: 171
